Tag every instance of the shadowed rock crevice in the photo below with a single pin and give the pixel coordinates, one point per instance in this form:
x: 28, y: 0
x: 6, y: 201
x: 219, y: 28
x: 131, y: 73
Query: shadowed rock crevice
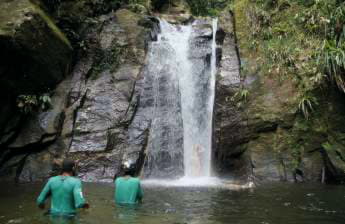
x: 81, y: 102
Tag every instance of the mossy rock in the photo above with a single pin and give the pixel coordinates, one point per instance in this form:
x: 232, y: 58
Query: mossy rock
x: 138, y: 8
x: 171, y: 6
x: 36, y: 55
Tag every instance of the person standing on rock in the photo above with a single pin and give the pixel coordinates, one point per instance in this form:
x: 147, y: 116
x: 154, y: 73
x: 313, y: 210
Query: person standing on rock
x: 65, y: 191
x: 128, y: 190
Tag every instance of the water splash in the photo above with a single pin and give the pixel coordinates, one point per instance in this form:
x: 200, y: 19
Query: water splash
x: 207, y: 182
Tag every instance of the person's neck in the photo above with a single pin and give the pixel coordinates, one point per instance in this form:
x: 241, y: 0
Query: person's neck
x: 127, y: 176
x: 66, y: 174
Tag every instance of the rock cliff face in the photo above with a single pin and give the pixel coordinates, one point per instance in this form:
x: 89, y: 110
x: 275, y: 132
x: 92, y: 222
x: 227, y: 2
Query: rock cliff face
x: 98, y: 104
x: 281, y: 143
x: 262, y: 135
x: 35, y: 56
x: 91, y: 107
x: 230, y: 158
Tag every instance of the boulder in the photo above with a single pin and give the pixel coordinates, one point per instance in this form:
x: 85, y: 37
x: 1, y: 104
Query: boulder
x: 35, y: 56
x: 33, y: 49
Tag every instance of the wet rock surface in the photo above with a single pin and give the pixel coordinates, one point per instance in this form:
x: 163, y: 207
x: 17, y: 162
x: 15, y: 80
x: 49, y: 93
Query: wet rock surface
x: 230, y: 158
x: 264, y: 136
x: 91, y: 107
x: 100, y: 109
x: 35, y: 56
x: 284, y: 145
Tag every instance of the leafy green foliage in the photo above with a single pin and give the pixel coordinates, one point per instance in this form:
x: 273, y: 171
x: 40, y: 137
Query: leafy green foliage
x: 299, y: 40
x: 106, y: 59
x: 207, y: 7
x: 332, y: 59
x: 31, y: 103
x: 198, y: 7
x: 240, y: 97
x: 306, y: 105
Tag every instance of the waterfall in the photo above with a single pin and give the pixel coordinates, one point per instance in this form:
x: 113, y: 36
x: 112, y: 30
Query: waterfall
x: 167, y: 61
x: 212, y: 89
x: 177, y: 97
x: 198, y: 145
x: 197, y: 92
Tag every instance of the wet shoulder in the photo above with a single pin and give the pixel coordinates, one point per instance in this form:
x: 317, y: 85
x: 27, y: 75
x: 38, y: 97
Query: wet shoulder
x: 54, y: 179
x: 74, y: 180
x: 120, y: 180
x: 58, y: 179
x: 135, y: 180
x: 132, y: 180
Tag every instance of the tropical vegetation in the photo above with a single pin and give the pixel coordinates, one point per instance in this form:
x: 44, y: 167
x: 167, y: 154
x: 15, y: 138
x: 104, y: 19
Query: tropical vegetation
x: 299, y: 40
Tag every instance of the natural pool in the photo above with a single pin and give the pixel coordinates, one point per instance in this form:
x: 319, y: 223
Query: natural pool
x: 281, y: 203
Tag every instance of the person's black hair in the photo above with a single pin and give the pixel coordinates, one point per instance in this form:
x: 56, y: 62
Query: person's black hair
x: 68, y: 166
x: 130, y: 172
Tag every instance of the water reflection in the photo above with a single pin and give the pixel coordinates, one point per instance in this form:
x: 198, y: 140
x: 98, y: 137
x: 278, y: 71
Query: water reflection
x: 269, y: 204
x: 63, y: 219
x: 126, y: 214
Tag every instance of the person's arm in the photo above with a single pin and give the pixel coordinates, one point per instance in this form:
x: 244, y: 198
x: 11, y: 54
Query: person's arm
x: 44, y: 195
x: 79, y: 201
x: 140, y: 193
x: 115, y: 185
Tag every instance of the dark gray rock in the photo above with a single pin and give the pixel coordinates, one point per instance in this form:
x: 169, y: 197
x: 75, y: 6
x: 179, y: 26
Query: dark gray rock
x: 91, y: 107
x: 35, y: 57
x: 11, y: 167
x: 230, y: 156
x: 100, y: 101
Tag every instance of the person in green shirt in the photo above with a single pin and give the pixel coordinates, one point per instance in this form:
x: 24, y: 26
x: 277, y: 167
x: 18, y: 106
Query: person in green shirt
x: 127, y: 188
x: 65, y: 191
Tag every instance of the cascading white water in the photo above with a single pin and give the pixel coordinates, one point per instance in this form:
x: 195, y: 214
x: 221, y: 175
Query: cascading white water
x: 197, y: 91
x: 212, y: 89
x: 174, y: 117
x: 161, y: 101
x: 180, y: 75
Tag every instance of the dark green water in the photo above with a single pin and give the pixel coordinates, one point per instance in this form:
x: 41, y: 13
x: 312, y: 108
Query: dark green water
x: 268, y: 204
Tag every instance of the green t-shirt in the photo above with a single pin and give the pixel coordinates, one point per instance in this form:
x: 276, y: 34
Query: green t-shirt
x: 66, y: 195
x: 128, y: 190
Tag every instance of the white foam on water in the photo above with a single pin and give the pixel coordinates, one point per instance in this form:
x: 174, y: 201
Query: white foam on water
x: 204, y: 182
